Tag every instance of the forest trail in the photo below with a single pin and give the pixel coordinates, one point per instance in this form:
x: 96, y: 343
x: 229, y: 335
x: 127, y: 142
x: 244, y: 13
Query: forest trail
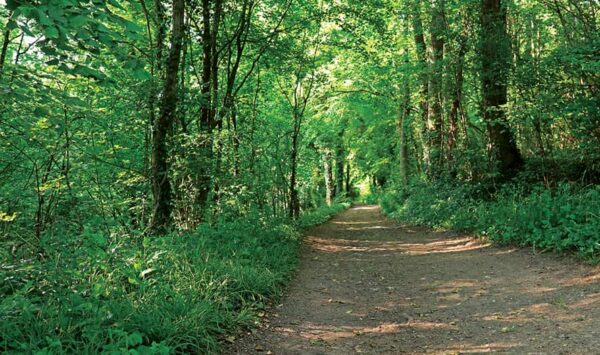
x: 369, y: 285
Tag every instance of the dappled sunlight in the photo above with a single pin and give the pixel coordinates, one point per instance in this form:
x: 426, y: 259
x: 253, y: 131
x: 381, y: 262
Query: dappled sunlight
x: 483, y: 348
x: 434, y: 247
x: 354, y: 223
x: 329, y: 332
x: 518, y: 316
x: 366, y: 207
x: 592, y: 300
x: 375, y: 286
x: 583, y: 280
x: 505, y: 252
x: 371, y: 227
x: 537, y: 290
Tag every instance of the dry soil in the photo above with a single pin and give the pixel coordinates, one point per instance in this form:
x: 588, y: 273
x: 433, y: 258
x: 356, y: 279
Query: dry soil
x: 367, y: 284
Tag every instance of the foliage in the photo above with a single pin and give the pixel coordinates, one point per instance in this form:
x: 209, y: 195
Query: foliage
x: 152, y: 152
x: 174, y: 293
x: 563, y: 219
x: 320, y: 215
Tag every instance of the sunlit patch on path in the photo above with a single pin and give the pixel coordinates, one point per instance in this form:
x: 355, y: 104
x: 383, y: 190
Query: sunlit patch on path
x: 370, y: 285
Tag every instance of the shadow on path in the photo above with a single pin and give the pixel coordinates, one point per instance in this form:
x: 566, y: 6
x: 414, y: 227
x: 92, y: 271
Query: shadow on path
x: 369, y: 285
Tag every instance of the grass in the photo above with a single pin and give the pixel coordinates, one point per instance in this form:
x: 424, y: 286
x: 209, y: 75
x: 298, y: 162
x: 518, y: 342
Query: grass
x: 562, y: 219
x: 154, y: 295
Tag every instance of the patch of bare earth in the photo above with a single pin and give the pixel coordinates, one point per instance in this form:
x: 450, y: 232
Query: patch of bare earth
x: 369, y: 285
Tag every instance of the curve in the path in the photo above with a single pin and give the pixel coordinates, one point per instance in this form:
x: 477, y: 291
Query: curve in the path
x: 369, y: 285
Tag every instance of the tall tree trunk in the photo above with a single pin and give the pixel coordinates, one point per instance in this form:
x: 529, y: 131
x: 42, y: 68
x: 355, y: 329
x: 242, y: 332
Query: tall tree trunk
x: 348, y: 186
x: 207, y: 121
x: 5, y: 43
x: 294, y: 206
x: 403, y: 127
x: 215, y: 114
x: 456, y: 96
x: 229, y: 101
x: 423, y: 76
x: 161, y: 184
x: 404, y: 117
x: 495, y: 62
x: 340, y: 159
x: 435, y: 121
x: 328, y: 167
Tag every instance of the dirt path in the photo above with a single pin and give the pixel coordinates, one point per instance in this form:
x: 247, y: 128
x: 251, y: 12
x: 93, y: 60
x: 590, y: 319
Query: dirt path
x: 369, y: 285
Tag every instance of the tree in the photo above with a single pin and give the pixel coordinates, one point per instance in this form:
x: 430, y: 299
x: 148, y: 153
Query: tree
x: 435, y: 119
x: 161, y: 183
x: 495, y: 63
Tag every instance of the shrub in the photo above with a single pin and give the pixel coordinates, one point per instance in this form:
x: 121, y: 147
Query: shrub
x: 153, y: 295
x: 561, y: 219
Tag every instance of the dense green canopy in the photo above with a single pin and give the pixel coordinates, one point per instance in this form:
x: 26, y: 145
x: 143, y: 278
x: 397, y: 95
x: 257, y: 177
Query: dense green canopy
x: 139, y: 118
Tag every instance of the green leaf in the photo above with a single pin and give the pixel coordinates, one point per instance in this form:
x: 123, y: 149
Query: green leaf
x: 134, y: 339
x: 131, y: 64
x: 78, y: 21
x: 56, y: 12
x: 51, y: 32
x: 12, y: 4
x: 99, y: 240
x: 48, y: 50
x: 26, y: 30
x: 141, y: 74
x: 43, y: 18
x: 41, y: 112
x: 11, y: 25
x: 73, y: 101
x: 116, y: 4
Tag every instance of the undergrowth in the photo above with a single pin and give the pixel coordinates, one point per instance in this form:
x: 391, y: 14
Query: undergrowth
x: 562, y: 219
x: 150, y: 295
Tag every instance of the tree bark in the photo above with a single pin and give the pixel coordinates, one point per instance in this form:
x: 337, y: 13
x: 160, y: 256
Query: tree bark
x: 340, y: 159
x: 435, y: 120
x: 348, y: 186
x: 5, y: 43
x: 294, y: 207
x: 207, y: 121
x: 423, y: 76
x: 456, y: 97
x: 403, y: 126
x: 495, y: 62
x: 161, y: 184
x: 328, y: 167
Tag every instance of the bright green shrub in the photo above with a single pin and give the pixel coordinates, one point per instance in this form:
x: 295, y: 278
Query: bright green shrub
x: 152, y: 295
x: 562, y: 219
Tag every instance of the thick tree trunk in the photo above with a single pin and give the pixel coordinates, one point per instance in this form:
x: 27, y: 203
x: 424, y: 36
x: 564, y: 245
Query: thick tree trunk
x: 161, y: 184
x: 495, y: 55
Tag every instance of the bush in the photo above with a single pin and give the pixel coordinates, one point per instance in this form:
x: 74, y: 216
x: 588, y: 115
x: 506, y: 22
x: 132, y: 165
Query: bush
x: 561, y: 219
x: 151, y: 295
x: 320, y: 215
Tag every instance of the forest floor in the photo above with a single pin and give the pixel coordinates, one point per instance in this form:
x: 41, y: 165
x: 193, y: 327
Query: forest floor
x: 367, y: 284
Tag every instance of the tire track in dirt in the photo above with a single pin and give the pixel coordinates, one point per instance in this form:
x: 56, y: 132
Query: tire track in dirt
x: 366, y: 284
